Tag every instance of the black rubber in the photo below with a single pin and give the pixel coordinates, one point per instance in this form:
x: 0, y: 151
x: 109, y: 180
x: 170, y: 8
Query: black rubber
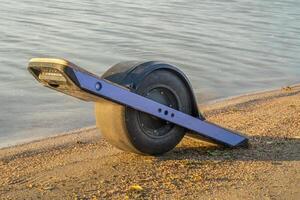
x: 159, y: 136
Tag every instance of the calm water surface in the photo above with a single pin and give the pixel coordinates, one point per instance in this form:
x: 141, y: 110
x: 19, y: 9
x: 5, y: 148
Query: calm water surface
x: 225, y: 47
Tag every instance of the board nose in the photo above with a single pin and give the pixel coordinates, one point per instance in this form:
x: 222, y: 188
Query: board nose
x: 57, y: 75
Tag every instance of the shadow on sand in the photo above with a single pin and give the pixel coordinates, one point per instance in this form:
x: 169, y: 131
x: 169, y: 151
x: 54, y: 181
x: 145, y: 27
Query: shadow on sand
x: 261, y: 148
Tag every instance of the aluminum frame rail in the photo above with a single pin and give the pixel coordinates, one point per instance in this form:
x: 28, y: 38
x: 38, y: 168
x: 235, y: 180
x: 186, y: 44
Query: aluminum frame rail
x: 108, y: 90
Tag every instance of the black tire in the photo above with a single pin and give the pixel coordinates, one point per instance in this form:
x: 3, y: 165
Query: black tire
x: 151, y: 135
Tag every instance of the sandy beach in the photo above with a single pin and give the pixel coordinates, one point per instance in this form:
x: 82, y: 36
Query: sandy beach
x: 82, y: 165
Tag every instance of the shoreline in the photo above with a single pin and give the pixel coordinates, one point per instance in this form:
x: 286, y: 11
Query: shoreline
x: 203, y: 107
x: 81, y: 164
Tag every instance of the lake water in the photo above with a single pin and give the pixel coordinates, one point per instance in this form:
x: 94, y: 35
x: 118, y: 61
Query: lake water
x: 226, y: 48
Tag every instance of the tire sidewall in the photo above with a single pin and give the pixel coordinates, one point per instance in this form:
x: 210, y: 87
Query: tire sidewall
x: 139, y: 139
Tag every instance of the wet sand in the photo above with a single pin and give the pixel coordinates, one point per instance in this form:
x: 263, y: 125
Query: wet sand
x: 82, y: 165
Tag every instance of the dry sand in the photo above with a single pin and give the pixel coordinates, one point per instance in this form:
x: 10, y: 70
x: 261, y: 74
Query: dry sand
x: 82, y: 165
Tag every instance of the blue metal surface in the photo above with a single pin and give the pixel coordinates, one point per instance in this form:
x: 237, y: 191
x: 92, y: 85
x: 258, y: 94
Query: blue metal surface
x: 108, y: 90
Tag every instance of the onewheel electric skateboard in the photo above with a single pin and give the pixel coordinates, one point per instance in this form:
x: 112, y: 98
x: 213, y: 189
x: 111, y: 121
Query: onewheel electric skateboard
x: 142, y: 107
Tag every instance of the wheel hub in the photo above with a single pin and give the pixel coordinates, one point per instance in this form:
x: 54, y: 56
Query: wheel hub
x: 152, y: 126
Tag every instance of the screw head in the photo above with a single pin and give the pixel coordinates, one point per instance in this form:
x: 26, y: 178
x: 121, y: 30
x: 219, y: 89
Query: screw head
x: 98, y: 86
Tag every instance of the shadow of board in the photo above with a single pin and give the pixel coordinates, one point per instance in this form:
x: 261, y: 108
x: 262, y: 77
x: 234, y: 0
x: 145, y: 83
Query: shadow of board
x: 261, y: 148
